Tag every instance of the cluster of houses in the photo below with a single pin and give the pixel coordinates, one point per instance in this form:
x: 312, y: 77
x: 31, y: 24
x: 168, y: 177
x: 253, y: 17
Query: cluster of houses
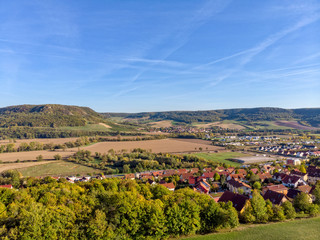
x: 299, y: 151
x: 280, y: 185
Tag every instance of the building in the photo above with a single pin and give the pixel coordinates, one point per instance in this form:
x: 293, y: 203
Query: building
x: 235, y: 186
x: 238, y: 200
x: 276, y: 198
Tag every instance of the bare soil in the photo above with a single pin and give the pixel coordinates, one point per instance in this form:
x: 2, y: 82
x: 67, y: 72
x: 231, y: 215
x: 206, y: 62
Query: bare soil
x: 294, y: 124
x: 156, y: 146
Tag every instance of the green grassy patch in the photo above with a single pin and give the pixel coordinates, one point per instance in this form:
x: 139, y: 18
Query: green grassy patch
x: 88, y: 127
x: 302, y: 229
x: 222, y: 157
x: 57, y: 168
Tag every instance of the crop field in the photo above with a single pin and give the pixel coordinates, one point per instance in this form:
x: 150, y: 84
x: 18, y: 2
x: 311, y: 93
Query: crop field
x: 8, y: 166
x: 160, y: 124
x: 88, y: 127
x: 223, y: 124
x: 40, y: 140
x: 302, y: 229
x: 57, y: 168
x: 156, y: 146
x: 222, y: 157
x: 294, y: 124
x: 164, y: 145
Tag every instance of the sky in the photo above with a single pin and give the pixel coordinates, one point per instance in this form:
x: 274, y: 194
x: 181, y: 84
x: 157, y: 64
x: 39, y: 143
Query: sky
x: 135, y: 56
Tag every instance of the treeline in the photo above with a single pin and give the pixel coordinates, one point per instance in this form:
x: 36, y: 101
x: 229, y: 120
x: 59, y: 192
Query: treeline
x: 30, y: 133
x: 257, y: 210
x: 138, y: 160
x: 311, y: 116
x: 108, y: 209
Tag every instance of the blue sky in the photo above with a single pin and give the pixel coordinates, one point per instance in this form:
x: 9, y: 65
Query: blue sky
x: 133, y: 56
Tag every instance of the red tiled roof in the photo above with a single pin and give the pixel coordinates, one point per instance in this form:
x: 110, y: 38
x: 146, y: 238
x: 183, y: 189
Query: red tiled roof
x: 168, y: 185
x: 6, y: 186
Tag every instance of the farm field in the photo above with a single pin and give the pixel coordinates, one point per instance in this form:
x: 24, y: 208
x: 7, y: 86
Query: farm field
x: 222, y: 124
x: 163, y: 145
x: 294, y: 124
x: 41, y: 140
x: 8, y: 166
x: 169, y: 145
x: 222, y: 157
x: 89, y: 127
x: 57, y: 168
x: 302, y: 229
x: 161, y: 124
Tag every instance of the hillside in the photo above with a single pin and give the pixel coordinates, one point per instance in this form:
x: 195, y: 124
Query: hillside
x: 49, y: 115
x: 307, y: 116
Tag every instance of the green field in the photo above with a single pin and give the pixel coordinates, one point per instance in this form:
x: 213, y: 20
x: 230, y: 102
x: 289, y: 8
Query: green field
x: 222, y: 157
x: 57, y: 168
x: 304, y: 229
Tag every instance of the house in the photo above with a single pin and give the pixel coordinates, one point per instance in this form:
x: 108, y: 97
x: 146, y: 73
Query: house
x: 279, y: 176
x: 303, y: 176
x: 181, y: 171
x: 235, y: 186
x: 230, y: 170
x: 239, y: 177
x: 220, y: 169
x: 203, y: 186
x: 169, y: 186
x: 313, y: 174
x: 130, y: 176
x: 293, y: 161
x: 264, y: 176
x: 185, y: 176
x: 292, y: 193
x: 293, y: 181
x: 194, y: 170
x: 276, y: 188
x: 241, y: 171
x: 305, y: 188
x: 192, y: 180
x: 276, y: 198
x: 208, y: 175
x: 6, y: 186
x: 254, y: 170
x: 238, y: 200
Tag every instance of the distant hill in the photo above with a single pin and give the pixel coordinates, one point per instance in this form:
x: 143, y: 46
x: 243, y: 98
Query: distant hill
x: 48, y: 115
x: 307, y: 116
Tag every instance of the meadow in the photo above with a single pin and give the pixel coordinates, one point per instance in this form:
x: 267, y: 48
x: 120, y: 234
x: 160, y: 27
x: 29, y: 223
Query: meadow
x: 57, y: 168
x: 222, y: 157
x: 301, y: 229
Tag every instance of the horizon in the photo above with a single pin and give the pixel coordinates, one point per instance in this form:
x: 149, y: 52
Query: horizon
x: 199, y: 110
x: 146, y: 56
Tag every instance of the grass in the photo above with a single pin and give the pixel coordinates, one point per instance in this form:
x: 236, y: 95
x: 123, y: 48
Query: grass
x: 302, y: 229
x: 222, y: 157
x: 57, y: 168
x: 88, y: 127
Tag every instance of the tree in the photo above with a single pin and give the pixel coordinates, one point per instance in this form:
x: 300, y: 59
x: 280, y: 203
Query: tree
x: 302, y: 202
x: 259, y: 207
x: 57, y: 157
x: 257, y: 185
x: 288, y: 210
x: 316, y: 194
x: 39, y: 158
x: 216, y: 177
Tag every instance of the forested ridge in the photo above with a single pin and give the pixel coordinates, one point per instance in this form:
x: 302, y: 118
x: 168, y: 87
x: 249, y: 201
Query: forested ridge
x: 49, y: 115
x: 309, y: 115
